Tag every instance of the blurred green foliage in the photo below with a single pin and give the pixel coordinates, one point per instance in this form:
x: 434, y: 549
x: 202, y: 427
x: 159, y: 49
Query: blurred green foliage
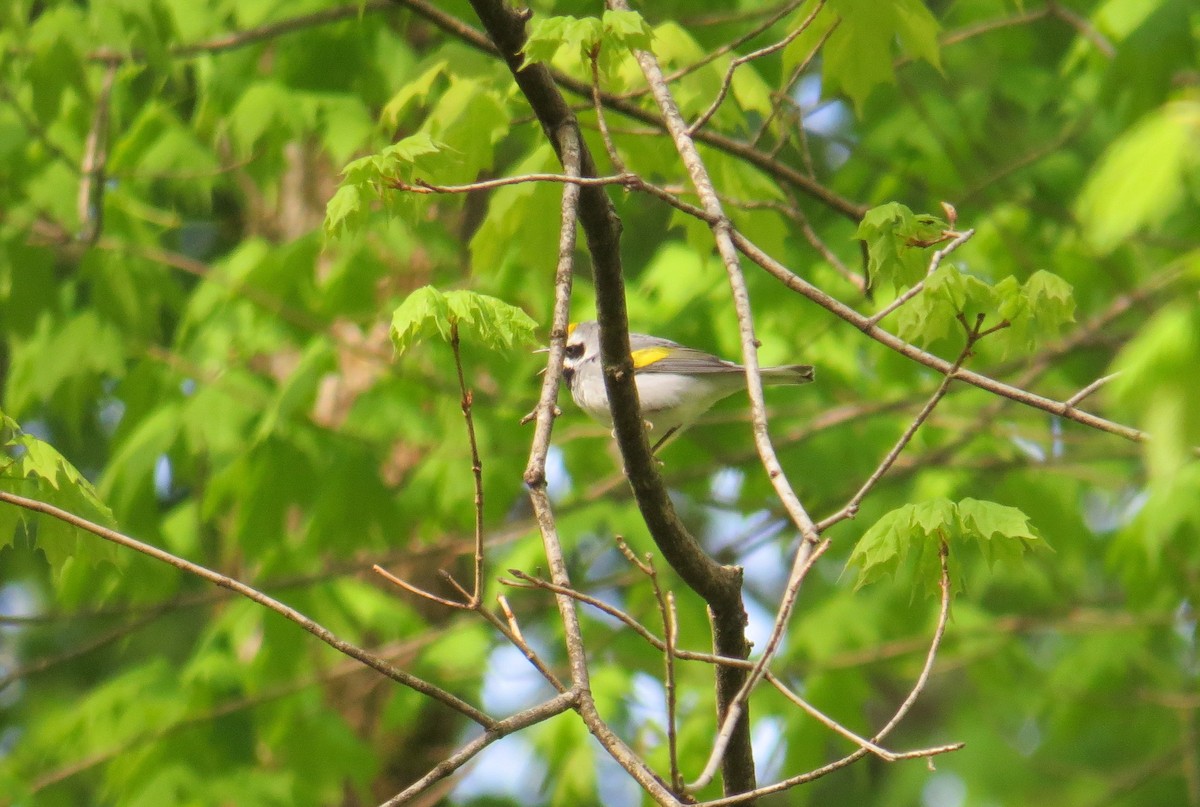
x: 215, y: 374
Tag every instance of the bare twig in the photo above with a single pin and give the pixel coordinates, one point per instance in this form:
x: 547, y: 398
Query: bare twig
x: 420, y: 592
x: 671, y: 635
x: 727, y: 82
x: 666, y: 610
x: 610, y: 147
x: 421, y: 186
x: 1089, y: 389
x: 934, y: 262
x: 289, y: 613
x: 901, y: 711
x: 502, y: 728
x: 784, y: 96
x: 90, y: 203
x: 851, y: 508
x: 476, y: 467
x: 728, y: 47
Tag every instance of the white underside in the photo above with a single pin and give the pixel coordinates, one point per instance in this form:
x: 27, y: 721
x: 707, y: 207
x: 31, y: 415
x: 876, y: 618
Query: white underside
x: 668, y: 401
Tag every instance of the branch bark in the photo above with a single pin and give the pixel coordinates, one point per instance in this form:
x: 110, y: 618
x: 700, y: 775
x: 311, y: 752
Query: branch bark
x: 719, y: 585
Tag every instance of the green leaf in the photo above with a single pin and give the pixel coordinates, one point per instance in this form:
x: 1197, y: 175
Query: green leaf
x: 1000, y: 532
x: 34, y: 469
x: 1142, y: 176
x: 428, y: 311
x: 860, y: 54
x: 345, y: 212
x: 413, y: 92
x: 1158, y: 386
x: 628, y: 29
x: 894, y: 235
x: 546, y: 35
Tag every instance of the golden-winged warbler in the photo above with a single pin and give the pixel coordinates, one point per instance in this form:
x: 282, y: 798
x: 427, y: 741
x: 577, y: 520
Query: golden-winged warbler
x: 675, y: 384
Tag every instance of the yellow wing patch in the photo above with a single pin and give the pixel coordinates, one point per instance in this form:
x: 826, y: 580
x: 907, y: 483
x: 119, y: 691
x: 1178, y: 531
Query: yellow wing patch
x: 649, y: 355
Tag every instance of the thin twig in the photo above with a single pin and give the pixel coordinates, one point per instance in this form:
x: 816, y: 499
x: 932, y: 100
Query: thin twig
x: 511, y: 630
x: 476, y: 467
x: 851, y: 508
x: 610, y: 147
x: 934, y: 262
x: 502, y: 728
x: 671, y: 636
x: 90, y: 202
x: 289, y: 613
x: 420, y: 186
x: 728, y: 47
x: 784, y: 95
x: 420, y: 592
x: 901, y: 712
x: 1089, y: 389
x: 727, y: 82
x: 666, y: 610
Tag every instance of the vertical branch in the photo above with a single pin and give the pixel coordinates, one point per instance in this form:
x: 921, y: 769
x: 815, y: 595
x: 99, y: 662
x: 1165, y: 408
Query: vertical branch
x: 666, y: 611
x: 737, y: 759
x: 90, y: 203
x: 671, y: 638
x: 535, y: 480
x: 476, y: 467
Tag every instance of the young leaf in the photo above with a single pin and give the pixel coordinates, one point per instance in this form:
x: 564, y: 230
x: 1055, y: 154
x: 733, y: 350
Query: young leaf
x: 428, y: 311
x: 999, y: 531
x: 1140, y: 180
x: 860, y: 52
x: 894, y: 235
x: 628, y: 29
x: 33, y: 468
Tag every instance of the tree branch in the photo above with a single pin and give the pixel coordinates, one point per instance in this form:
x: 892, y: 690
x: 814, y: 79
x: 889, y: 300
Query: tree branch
x: 287, y: 612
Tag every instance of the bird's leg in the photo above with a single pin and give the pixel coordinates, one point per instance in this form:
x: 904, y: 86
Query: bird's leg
x: 670, y: 433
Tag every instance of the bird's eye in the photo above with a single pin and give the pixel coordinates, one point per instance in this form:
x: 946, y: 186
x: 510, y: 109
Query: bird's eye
x: 574, y: 351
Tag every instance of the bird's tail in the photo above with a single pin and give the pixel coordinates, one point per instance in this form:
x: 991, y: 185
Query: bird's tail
x: 788, y: 374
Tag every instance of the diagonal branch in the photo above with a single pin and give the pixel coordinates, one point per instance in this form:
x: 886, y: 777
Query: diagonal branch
x: 733, y: 685
x: 851, y: 508
x: 727, y: 82
x: 238, y: 587
x: 922, y: 679
x: 509, y: 725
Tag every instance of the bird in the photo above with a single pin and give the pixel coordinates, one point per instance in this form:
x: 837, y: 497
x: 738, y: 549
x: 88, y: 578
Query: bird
x: 675, y: 384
